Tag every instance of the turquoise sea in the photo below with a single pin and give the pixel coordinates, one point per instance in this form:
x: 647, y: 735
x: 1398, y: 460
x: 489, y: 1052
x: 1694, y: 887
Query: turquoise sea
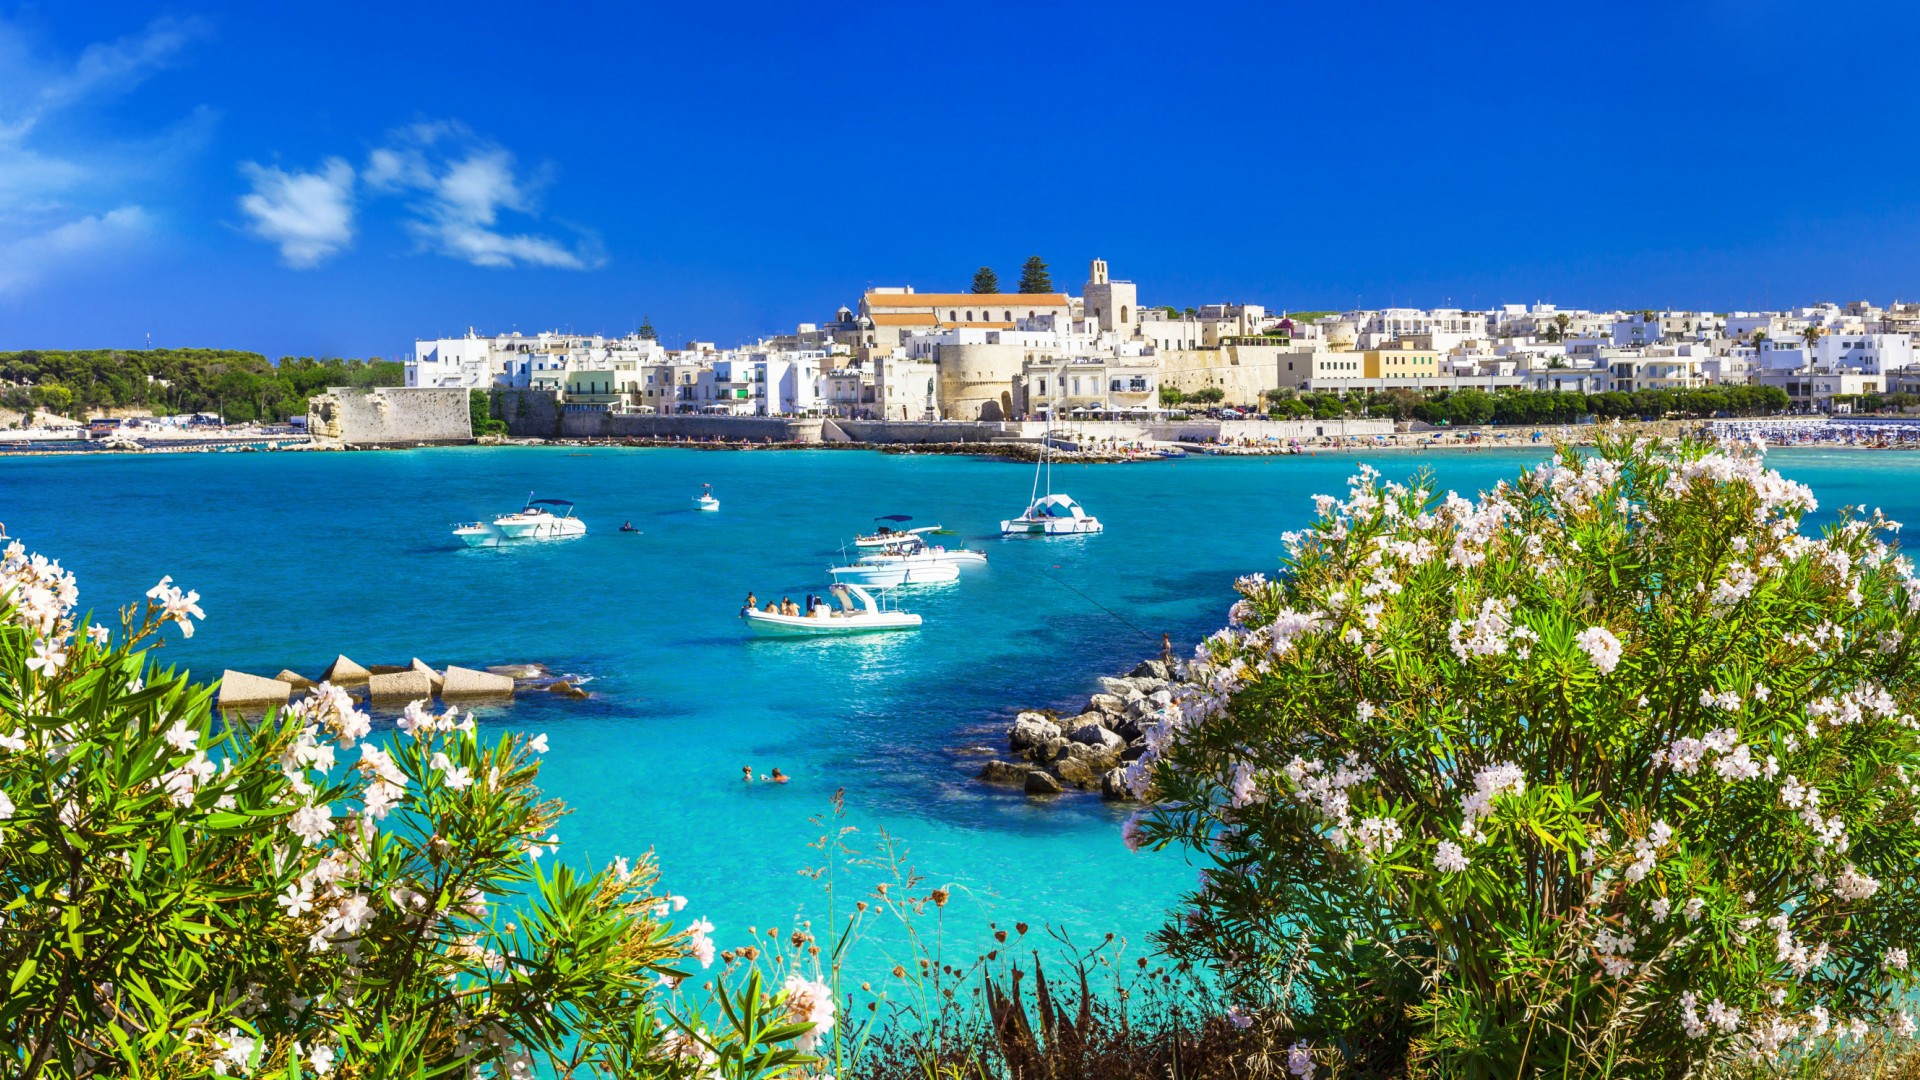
x: 299, y: 556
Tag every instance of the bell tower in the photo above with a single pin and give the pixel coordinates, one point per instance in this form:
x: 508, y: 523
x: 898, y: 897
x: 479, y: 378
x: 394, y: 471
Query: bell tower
x: 1110, y: 305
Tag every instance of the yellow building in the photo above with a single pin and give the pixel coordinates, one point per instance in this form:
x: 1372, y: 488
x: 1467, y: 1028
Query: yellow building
x: 1400, y: 364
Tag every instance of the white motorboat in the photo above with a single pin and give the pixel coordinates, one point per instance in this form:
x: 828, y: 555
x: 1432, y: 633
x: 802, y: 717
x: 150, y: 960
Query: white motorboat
x: 540, y: 519
x: 848, y: 609
x: 916, y: 550
x: 705, y: 500
x: 887, y: 536
x: 895, y: 572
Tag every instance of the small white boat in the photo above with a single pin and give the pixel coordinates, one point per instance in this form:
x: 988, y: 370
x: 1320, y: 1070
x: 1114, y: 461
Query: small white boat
x: 848, y: 609
x: 1052, y: 515
x: 919, y: 551
x: 887, y: 536
x: 705, y: 500
x: 538, y: 520
x: 895, y: 572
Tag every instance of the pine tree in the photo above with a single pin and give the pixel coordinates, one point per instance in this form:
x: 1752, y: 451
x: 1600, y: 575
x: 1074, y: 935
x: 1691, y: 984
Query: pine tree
x: 646, y: 329
x: 1034, y: 277
x: 985, y: 280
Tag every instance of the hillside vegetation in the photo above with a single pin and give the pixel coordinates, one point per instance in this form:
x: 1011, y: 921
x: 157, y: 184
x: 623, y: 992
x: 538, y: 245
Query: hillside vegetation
x: 240, y: 386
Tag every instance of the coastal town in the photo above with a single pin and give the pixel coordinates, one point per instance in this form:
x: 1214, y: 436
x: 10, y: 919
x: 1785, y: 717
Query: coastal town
x: 899, y: 354
x: 1098, y: 373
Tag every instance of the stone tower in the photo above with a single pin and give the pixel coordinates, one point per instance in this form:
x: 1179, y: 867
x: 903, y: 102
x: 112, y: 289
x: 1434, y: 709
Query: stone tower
x: 1111, y: 306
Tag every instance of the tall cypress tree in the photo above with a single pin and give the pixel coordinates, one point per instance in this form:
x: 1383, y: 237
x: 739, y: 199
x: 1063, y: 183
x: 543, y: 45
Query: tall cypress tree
x: 985, y: 280
x: 1034, y: 277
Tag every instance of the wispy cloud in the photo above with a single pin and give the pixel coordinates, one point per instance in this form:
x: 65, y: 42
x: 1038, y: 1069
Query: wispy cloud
x: 308, y: 215
x: 460, y: 184
x: 65, y: 200
x: 23, y: 260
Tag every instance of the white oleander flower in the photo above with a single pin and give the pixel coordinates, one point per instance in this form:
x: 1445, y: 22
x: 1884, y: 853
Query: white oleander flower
x: 1601, y: 647
x: 1448, y: 858
x: 49, y: 656
x: 701, y: 942
x: 809, y: 1002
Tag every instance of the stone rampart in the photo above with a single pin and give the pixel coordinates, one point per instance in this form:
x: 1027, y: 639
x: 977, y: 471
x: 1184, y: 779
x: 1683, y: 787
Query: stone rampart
x: 919, y: 431
x: 389, y: 416
x: 530, y: 414
x: 599, y: 424
x: 1203, y: 430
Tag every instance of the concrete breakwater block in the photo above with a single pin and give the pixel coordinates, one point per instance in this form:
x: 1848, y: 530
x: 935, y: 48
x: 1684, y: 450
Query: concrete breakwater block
x: 240, y: 688
x: 388, y: 669
x: 344, y: 672
x: 295, y: 679
x: 408, y: 684
x: 466, y: 682
x: 433, y: 676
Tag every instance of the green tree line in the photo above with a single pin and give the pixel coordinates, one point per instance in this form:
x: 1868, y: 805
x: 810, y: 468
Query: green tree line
x: 240, y: 386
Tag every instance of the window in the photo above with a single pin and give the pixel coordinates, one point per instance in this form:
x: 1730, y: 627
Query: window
x: 953, y: 316
x: 1009, y: 316
x: 969, y: 316
x: 1123, y: 313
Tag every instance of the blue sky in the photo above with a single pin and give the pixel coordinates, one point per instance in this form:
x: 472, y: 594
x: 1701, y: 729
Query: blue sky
x: 338, y: 179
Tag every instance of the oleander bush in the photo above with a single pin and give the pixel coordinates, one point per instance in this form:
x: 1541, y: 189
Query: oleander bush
x: 1611, y: 772
x: 183, y: 893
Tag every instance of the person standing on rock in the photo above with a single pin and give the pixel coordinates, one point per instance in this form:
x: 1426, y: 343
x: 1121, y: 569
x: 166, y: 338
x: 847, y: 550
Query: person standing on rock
x: 1166, y: 649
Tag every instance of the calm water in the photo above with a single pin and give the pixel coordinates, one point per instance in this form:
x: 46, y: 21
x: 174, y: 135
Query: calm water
x: 302, y: 556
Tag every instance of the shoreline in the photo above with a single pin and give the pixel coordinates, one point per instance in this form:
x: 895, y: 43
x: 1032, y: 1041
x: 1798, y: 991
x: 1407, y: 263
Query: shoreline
x: 1017, y: 452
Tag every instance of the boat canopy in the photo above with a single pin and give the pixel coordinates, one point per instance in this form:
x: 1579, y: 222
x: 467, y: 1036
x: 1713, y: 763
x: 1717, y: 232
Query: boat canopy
x: 894, y: 517
x: 1060, y: 506
x: 549, y: 502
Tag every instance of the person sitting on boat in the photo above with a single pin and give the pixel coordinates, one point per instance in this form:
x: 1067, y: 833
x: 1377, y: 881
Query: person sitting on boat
x: 773, y: 608
x: 750, y: 603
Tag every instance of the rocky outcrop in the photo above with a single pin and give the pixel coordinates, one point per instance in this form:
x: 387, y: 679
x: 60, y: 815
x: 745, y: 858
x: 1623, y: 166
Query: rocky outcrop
x: 240, y: 688
x: 1039, y: 783
x: 1089, y: 751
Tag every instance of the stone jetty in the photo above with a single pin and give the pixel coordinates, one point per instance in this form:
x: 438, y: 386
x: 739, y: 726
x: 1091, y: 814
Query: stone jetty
x: 391, y: 684
x: 1088, y: 751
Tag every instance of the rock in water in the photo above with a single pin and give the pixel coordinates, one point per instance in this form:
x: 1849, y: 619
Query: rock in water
x: 344, y: 672
x: 1113, y: 786
x: 1005, y: 772
x: 466, y: 682
x: 433, y: 676
x: 397, y: 685
x: 1107, y: 703
x: 519, y: 671
x: 295, y: 679
x: 1150, y: 669
x: 1098, y: 736
x: 1030, y: 730
x: 240, y: 688
x: 1073, y: 771
x: 1039, y: 783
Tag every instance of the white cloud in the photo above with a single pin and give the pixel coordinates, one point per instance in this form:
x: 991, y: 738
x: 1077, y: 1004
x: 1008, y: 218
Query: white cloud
x: 24, y: 260
x: 309, y: 215
x: 460, y: 191
x: 64, y: 198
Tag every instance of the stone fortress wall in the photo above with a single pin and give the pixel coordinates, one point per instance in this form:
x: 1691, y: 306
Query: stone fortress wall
x: 389, y: 415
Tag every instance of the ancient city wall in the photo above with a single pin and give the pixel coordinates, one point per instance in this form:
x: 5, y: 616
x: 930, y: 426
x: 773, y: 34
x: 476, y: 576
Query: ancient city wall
x: 389, y: 415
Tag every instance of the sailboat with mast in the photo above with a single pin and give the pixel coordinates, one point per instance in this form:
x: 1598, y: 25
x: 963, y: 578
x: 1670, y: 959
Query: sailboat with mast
x: 1050, y: 514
